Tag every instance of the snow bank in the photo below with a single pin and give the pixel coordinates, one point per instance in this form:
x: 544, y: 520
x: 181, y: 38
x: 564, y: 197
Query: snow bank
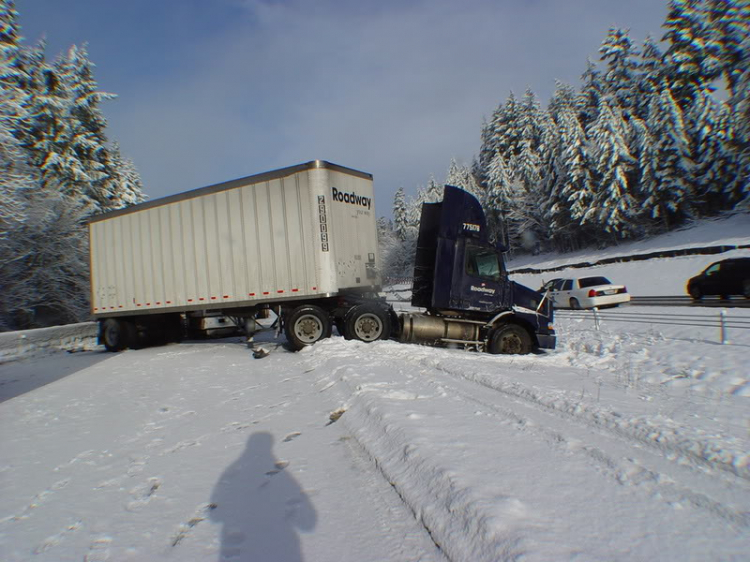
x: 726, y: 230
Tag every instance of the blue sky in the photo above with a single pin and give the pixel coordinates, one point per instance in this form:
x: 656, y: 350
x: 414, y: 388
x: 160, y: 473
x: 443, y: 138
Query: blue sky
x: 212, y: 90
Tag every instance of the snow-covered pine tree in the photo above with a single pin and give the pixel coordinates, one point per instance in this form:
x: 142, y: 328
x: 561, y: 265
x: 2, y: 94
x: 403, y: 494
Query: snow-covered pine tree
x: 398, y: 259
x: 388, y: 245
x: 709, y: 130
x: 590, y: 96
x: 646, y: 154
x: 17, y: 182
x: 124, y: 184
x: 504, y: 203
x: 563, y: 98
x: 17, y: 179
x: 740, y: 104
x: 53, y: 163
x: 500, y: 136
x: 693, y: 56
x: 461, y: 176
x: 487, y: 150
x: 400, y: 214
x: 433, y: 193
x: 573, y: 191
x: 619, y: 80
x: 9, y: 45
x: 51, y: 283
x: 613, y: 208
x: 535, y: 167
x: 651, y: 70
x: 15, y: 174
x: 87, y: 143
x: 50, y: 134
x: 669, y: 198
x: 728, y: 23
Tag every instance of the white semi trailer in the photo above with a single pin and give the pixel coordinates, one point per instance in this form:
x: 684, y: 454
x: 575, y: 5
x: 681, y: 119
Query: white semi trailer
x: 300, y: 241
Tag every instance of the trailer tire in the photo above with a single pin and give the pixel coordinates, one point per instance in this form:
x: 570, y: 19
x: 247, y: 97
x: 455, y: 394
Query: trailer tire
x: 306, y: 325
x: 117, y: 334
x: 510, y: 339
x: 367, y: 322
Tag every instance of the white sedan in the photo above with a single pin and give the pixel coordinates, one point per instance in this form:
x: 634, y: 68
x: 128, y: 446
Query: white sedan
x: 585, y: 292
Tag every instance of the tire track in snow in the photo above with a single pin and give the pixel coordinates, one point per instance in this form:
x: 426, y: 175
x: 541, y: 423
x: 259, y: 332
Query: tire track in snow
x: 654, y: 469
x: 701, y: 453
x: 645, y: 469
x: 455, y: 525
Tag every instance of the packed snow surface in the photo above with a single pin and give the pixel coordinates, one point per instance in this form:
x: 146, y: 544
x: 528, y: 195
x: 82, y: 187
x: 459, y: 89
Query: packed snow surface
x: 630, y: 441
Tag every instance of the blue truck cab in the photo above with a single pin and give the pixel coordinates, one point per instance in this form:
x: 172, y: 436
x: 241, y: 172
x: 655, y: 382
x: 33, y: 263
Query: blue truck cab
x: 461, y: 281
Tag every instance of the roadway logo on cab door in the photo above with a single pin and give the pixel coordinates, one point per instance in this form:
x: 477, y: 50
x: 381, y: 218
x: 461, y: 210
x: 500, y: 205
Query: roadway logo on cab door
x: 482, y: 289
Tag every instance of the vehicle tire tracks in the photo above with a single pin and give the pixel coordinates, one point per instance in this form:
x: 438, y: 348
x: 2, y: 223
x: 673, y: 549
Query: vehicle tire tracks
x: 665, y: 470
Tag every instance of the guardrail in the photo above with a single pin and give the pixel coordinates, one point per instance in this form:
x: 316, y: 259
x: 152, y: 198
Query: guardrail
x: 722, y: 320
x: 713, y: 302
x: 702, y: 251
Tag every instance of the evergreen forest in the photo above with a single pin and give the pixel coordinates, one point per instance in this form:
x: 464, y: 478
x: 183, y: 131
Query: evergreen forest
x: 57, y: 168
x: 654, y: 136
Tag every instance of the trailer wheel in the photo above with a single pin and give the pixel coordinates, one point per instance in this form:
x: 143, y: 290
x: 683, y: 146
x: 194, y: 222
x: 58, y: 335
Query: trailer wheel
x: 117, y: 334
x: 367, y: 323
x: 307, y: 325
x: 510, y: 339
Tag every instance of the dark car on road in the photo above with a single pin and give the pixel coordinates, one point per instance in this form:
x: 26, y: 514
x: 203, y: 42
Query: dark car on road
x: 723, y: 278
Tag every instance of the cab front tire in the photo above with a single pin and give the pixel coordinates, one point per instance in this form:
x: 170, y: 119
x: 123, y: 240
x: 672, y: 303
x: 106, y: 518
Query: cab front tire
x: 510, y: 339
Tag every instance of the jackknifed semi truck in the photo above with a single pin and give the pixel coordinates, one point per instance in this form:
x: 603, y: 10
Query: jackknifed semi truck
x: 301, y: 242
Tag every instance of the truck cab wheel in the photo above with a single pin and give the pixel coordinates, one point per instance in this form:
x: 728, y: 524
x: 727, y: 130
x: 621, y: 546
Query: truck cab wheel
x: 307, y: 325
x: 510, y: 339
x: 367, y: 323
x: 117, y: 334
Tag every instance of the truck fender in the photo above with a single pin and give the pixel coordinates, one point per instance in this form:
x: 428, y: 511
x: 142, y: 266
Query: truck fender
x: 499, y: 316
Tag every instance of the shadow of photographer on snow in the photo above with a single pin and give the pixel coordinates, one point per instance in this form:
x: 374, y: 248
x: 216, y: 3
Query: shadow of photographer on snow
x: 260, y: 506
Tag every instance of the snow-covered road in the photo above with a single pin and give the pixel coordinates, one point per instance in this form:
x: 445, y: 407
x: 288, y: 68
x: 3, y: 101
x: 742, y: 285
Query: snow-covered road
x: 178, y: 452
x: 626, y: 443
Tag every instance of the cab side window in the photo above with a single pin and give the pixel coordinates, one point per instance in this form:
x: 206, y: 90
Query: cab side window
x: 481, y: 262
x: 567, y: 285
